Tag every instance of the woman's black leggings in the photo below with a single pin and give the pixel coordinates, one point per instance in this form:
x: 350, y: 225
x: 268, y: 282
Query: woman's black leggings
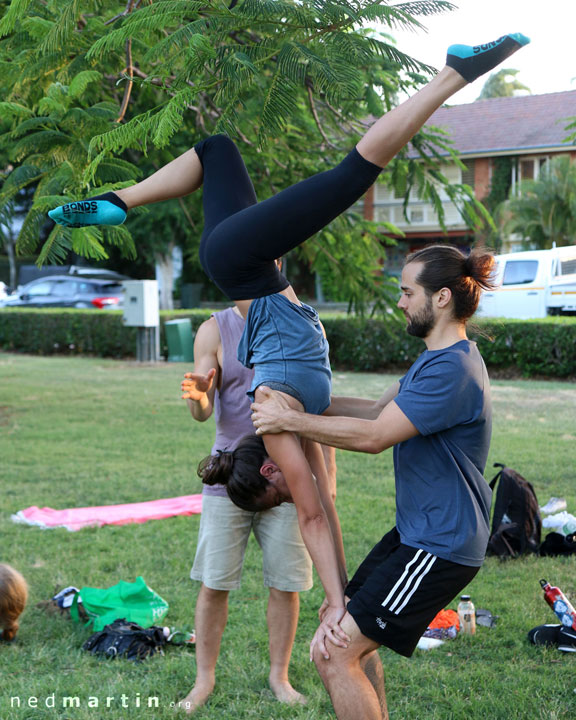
x: 243, y: 237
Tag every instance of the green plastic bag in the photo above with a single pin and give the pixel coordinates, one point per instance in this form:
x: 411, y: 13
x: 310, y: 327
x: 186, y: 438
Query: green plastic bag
x: 135, y: 602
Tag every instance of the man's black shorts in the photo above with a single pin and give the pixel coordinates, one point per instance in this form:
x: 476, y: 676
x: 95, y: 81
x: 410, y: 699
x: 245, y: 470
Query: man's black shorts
x: 398, y: 590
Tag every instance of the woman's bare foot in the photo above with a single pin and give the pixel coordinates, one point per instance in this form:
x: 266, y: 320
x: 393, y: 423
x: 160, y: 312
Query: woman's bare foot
x: 285, y: 693
x: 197, y: 697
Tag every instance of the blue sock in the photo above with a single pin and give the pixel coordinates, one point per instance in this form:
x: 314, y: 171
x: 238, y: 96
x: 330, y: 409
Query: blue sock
x: 471, y: 61
x: 106, y: 209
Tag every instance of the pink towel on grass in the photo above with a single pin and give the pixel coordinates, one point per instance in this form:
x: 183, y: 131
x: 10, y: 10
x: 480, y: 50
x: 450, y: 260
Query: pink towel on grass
x: 77, y: 518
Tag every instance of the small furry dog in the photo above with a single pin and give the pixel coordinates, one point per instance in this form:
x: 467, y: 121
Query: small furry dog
x: 13, y: 597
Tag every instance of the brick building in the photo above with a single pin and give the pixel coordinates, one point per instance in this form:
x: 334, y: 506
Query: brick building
x: 526, y: 131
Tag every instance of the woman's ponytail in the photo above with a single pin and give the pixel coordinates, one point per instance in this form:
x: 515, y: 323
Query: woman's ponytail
x: 216, y: 469
x: 239, y: 471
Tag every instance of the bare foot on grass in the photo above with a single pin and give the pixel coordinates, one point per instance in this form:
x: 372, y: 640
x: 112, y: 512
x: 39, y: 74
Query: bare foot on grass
x: 285, y: 693
x: 195, y: 699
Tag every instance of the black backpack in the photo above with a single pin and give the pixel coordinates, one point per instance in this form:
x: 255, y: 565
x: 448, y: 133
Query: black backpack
x: 126, y: 639
x: 557, y: 544
x: 516, y: 522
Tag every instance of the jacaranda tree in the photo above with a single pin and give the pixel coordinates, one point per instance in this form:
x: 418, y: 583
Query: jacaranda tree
x: 98, y: 93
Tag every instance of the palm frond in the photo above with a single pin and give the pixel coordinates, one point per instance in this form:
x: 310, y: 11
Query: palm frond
x: 278, y: 106
x: 403, y: 15
x: 91, y: 169
x: 350, y: 46
x: 60, y: 32
x: 169, y: 120
x: 277, y: 12
x: 237, y: 72
x: 18, y: 179
x: 81, y: 81
x: 15, y: 13
x: 80, y: 122
x: 40, y: 142
x: 39, y: 66
x: 150, y: 20
x: 29, y: 236
x: 55, y: 183
x: 119, y: 236
x: 129, y: 134
x: 37, y: 27
x: 56, y: 248
x: 336, y: 78
x: 51, y: 106
x: 116, y: 170
x: 87, y: 242
x: 13, y: 109
x: 189, y: 39
x: 293, y: 63
x: 23, y: 128
x: 393, y: 55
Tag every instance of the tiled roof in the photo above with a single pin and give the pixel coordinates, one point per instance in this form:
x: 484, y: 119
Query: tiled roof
x: 512, y: 123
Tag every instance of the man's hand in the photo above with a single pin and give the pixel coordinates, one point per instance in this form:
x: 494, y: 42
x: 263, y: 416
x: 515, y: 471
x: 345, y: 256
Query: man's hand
x: 322, y: 609
x: 267, y: 416
x: 195, y: 386
x: 329, y: 629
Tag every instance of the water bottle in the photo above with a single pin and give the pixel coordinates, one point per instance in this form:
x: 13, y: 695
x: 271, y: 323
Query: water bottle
x: 560, y: 604
x: 467, y: 615
x: 179, y: 637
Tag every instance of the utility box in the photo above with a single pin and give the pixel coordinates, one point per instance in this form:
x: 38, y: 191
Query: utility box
x: 142, y: 311
x: 180, y: 340
x: 141, y: 306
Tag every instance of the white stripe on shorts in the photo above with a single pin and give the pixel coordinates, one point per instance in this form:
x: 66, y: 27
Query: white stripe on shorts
x: 409, y: 582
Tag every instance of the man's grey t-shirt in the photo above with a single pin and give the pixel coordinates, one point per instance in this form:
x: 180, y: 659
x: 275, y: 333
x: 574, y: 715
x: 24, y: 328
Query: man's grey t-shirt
x: 442, y: 498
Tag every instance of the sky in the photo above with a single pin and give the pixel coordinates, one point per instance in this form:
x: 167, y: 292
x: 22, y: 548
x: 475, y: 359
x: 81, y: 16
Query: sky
x: 547, y: 65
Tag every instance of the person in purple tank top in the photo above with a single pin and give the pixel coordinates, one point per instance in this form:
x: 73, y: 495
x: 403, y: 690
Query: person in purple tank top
x: 218, y: 386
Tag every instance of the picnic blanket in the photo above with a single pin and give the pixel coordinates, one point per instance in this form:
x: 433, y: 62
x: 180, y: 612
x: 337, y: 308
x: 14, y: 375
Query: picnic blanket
x: 76, y: 518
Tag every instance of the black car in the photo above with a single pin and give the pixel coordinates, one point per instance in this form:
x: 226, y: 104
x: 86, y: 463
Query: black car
x: 75, y: 291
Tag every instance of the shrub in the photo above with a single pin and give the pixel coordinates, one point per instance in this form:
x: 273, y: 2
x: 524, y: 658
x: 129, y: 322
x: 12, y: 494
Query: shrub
x: 544, y: 347
x: 535, y: 347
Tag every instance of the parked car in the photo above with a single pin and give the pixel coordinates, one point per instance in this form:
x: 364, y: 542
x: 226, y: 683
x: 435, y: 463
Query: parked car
x: 533, y: 284
x: 69, y: 291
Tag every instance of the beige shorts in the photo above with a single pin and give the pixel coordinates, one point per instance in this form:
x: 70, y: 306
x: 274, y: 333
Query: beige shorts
x: 222, y: 538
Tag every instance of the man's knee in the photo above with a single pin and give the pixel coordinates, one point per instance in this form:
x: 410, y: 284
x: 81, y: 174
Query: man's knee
x: 211, y: 594
x: 326, y: 668
x: 340, y: 661
x: 286, y: 596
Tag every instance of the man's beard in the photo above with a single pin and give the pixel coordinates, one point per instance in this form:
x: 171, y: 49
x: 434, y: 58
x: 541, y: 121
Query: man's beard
x: 422, y: 323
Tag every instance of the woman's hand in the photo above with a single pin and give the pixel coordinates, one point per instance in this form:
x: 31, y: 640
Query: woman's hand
x: 329, y: 629
x: 267, y: 416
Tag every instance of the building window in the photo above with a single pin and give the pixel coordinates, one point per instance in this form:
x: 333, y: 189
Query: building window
x: 468, y: 173
x: 533, y: 168
x: 527, y: 170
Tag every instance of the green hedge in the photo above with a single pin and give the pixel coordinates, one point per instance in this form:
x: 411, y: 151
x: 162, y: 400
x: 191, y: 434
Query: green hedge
x: 532, y: 347
x: 544, y: 347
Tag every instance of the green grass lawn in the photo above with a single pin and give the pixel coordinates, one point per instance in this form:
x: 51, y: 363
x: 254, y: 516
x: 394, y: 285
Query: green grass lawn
x: 78, y: 432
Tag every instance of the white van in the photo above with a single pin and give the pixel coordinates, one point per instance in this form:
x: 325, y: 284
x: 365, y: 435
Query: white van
x: 533, y: 284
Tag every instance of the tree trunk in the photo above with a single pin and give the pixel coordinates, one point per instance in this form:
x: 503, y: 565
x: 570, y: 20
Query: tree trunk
x: 165, y: 277
x: 9, y: 245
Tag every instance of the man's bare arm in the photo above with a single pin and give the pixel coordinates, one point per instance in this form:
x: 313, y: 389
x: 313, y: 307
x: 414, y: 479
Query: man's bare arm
x: 361, y: 407
x: 370, y: 436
